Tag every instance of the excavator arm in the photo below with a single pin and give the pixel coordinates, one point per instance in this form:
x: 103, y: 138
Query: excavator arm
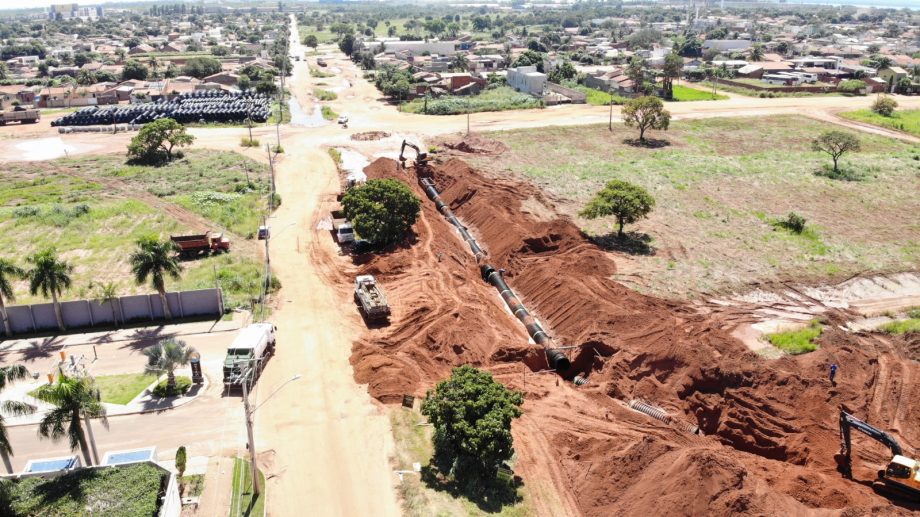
x: 848, y: 422
x: 420, y: 157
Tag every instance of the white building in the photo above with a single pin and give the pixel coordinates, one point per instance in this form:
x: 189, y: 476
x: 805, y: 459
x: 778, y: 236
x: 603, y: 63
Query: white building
x: 526, y: 79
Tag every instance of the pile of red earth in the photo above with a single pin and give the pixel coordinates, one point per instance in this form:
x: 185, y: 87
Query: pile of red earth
x: 474, y: 144
x: 370, y: 135
x: 770, y: 426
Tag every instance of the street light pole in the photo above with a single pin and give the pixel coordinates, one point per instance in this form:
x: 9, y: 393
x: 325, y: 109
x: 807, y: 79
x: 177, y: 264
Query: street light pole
x: 610, y: 123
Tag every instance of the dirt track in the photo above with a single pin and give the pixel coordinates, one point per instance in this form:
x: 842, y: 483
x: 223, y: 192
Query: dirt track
x: 770, y: 425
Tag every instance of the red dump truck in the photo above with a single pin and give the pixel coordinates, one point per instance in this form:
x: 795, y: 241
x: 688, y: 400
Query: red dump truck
x: 209, y: 242
x: 20, y: 114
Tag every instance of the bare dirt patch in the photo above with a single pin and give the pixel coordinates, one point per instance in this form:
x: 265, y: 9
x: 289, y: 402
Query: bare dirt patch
x: 370, y: 135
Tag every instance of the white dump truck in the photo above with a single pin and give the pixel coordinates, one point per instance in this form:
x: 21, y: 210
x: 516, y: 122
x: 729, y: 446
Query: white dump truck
x: 247, y: 355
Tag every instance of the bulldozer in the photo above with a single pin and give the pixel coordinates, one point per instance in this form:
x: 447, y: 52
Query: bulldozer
x: 901, y: 478
x: 421, y: 159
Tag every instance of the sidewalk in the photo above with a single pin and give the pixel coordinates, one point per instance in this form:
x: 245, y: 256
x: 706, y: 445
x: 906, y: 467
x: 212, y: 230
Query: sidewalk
x: 122, y: 335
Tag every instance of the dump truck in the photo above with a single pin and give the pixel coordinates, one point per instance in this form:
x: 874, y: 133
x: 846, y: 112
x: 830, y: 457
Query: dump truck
x: 208, y: 242
x: 247, y: 354
x: 20, y: 114
x: 371, y: 298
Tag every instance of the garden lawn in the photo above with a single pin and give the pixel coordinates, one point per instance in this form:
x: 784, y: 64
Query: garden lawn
x: 902, y: 120
x: 599, y: 97
x: 121, y: 389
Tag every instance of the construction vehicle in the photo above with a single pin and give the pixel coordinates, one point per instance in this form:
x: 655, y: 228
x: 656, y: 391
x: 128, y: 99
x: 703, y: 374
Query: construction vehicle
x: 901, y: 478
x: 371, y: 298
x: 208, y: 242
x: 421, y: 159
x: 21, y: 114
x: 247, y: 355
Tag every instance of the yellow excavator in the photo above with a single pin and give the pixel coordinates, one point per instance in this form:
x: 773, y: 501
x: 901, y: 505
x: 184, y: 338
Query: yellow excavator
x: 901, y: 478
x: 421, y: 159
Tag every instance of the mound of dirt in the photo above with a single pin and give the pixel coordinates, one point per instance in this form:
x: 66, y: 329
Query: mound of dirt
x: 370, y: 135
x: 474, y: 144
x: 770, y: 425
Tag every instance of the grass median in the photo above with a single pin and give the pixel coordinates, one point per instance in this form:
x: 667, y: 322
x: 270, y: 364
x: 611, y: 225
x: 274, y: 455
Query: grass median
x: 244, y: 502
x: 907, y: 121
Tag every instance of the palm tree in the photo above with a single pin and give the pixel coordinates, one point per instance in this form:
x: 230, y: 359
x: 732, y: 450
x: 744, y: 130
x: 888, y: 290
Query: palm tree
x: 76, y: 399
x: 460, y: 63
x: 11, y: 407
x: 156, y: 260
x: 108, y: 294
x: 757, y: 52
x: 51, y: 276
x: 166, y: 356
x: 8, y: 271
x: 154, y: 65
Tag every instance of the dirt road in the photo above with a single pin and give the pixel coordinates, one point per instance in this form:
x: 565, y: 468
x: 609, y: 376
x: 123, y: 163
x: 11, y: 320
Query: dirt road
x: 325, y: 443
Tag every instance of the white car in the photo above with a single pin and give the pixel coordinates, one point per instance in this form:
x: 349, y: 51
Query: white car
x: 343, y: 119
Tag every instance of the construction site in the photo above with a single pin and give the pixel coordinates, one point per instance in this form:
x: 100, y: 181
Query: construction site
x: 632, y: 402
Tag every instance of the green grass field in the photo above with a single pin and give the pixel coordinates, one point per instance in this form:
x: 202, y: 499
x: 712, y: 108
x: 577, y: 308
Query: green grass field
x: 799, y: 341
x: 94, y: 208
x: 719, y: 185
x: 242, y: 502
x: 599, y: 97
x: 324, y: 95
x: 121, y: 389
x: 902, y: 120
x: 685, y: 93
x: 497, y: 99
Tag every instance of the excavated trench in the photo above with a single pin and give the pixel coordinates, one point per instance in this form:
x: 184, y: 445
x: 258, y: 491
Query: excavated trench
x: 627, y: 345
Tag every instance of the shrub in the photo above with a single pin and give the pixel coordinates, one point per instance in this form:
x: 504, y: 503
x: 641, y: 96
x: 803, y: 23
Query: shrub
x: 800, y: 341
x: 336, y: 156
x: 852, y: 86
x: 324, y: 95
x: 249, y: 142
x: 23, y: 212
x: 884, y: 106
x: 182, y: 386
x: 908, y: 326
x: 328, y: 114
x: 278, y: 149
x: 793, y: 222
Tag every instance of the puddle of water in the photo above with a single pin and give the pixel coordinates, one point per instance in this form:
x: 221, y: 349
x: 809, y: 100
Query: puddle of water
x: 354, y: 163
x: 300, y: 118
x: 44, y: 149
x: 339, y: 89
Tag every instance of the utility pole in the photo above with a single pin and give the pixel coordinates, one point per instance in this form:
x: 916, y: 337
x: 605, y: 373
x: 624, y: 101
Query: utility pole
x: 271, y: 170
x: 256, y: 489
x: 610, y: 123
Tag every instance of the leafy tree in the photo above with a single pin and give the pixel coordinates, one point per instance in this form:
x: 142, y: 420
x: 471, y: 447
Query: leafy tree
x: 220, y: 51
x: 181, y: 460
x: 171, y: 71
x: 884, y: 106
x: 201, y: 66
x: 646, y: 113
x: 836, y: 144
x: 471, y: 414
x: 782, y: 48
x: 165, y: 357
x: 134, y: 70
x: 636, y: 71
x: 156, y: 140
x: 74, y: 398
x: 347, y: 44
x: 644, y: 38
x: 673, y: 64
x: 688, y: 46
x: 311, y: 41
x: 381, y: 210
x: 11, y: 373
x: 563, y: 72
x: 154, y: 64
x: 8, y: 272
x: 621, y: 199
x: 85, y: 77
x: 530, y: 58
x: 904, y: 86
x: 50, y: 276
x: 156, y: 260
x: 852, y: 86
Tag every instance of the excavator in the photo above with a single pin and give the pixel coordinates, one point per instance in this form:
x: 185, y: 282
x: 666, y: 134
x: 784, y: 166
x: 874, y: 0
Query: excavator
x: 421, y: 159
x: 901, y: 478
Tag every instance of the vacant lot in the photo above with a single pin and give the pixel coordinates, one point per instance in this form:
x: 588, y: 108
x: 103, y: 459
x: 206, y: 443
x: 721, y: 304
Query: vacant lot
x: 93, y: 209
x: 720, y: 185
x: 903, y: 120
x: 495, y: 99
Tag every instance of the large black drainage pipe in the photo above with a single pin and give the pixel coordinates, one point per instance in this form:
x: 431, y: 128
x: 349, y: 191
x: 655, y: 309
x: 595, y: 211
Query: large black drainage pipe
x: 556, y: 358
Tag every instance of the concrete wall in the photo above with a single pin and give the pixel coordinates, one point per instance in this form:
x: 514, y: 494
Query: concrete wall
x: 575, y: 96
x: 85, y: 314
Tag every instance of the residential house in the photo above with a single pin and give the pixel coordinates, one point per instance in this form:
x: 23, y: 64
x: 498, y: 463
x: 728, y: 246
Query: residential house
x: 175, y: 46
x: 527, y: 79
x: 224, y: 78
x: 727, y: 45
x: 143, y: 48
x: 892, y: 75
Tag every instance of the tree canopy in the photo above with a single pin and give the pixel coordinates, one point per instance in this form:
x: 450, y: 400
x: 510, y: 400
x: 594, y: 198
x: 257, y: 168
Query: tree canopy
x: 471, y: 414
x: 156, y: 140
x: 836, y: 144
x: 381, y: 210
x: 645, y: 113
x: 621, y: 199
x: 134, y: 69
x: 201, y: 66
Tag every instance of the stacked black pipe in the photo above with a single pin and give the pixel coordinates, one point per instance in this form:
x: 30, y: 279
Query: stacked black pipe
x: 555, y: 357
x: 196, y: 106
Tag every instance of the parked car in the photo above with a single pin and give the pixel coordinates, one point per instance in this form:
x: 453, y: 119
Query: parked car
x: 343, y: 119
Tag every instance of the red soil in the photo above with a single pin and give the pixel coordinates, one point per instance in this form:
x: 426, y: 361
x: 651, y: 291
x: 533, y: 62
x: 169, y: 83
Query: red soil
x: 770, y: 425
